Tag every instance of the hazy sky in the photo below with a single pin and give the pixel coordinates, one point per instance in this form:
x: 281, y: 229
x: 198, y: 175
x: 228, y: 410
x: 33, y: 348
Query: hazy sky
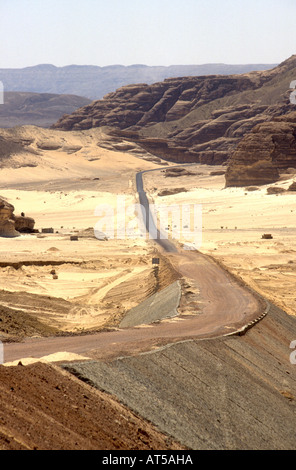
x: 151, y: 32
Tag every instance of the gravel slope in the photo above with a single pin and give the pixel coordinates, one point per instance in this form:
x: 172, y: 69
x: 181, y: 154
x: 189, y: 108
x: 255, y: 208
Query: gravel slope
x: 158, y: 306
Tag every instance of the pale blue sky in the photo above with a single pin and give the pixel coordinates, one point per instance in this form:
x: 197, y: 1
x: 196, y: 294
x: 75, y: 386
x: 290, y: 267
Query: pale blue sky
x: 151, y: 32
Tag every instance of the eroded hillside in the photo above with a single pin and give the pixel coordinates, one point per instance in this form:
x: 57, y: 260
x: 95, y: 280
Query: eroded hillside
x: 193, y: 119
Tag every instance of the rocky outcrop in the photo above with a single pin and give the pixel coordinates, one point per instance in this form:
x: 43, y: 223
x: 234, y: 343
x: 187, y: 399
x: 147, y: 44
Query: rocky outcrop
x: 141, y: 105
x: 262, y: 172
x: 292, y: 187
x: 7, y: 225
x: 24, y: 224
x: 12, y: 225
x: 135, y: 112
x: 263, y: 153
x: 172, y: 191
x: 177, y: 172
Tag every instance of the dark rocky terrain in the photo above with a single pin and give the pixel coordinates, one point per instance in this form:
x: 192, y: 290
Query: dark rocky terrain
x: 39, y: 109
x: 203, y: 119
x: 95, y: 82
x: 44, y: 409
x: 265, y: 152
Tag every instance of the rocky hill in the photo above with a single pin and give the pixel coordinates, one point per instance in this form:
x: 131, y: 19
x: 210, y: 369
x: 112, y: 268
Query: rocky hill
x: 95, y: 82
x: 194, y: 119
x: 39, y: 109
x: 265, y: 152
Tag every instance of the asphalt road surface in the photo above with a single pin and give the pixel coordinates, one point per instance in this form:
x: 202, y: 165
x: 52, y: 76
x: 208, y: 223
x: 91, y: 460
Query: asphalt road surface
x: 151, y: 228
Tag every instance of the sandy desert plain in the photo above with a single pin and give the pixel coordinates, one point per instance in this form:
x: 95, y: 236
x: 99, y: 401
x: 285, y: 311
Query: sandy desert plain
x: 99, y: 280
x: 58, y: 286
x: 61, y: 191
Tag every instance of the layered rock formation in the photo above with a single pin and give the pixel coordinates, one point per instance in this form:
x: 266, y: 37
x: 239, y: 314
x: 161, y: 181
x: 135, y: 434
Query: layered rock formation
x: 12, y: 225
x: 292, y: 187
x: 171, y: 100
x: 24, y: 224
x: 263, y: 153
x: 138, y: 109
x: 7, y: 224
x: 202, y: 119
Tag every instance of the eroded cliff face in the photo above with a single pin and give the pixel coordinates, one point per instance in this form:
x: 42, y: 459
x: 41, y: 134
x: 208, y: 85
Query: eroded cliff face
x: 140, y: 105
x: 264, y: 153
x: 173, y: 119
x: 7, y: 224
x: 12, y: 225
x: 204, y: 120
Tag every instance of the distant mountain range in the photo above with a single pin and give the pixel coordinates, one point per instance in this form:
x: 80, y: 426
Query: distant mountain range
x: 94, y: 82
x: 38, y: 109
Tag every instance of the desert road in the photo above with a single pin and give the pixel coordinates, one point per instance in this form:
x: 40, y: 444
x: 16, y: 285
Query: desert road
x: 149, y: 222
x: 226, y: 307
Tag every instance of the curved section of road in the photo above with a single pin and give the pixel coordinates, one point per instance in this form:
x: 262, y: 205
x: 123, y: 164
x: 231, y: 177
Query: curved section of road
x: 226, y: 307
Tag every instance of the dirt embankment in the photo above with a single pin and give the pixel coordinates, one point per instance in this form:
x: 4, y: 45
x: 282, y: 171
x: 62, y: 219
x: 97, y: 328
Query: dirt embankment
x: 103, y: 303
x: 16, y: 325
x: 44, y: 408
